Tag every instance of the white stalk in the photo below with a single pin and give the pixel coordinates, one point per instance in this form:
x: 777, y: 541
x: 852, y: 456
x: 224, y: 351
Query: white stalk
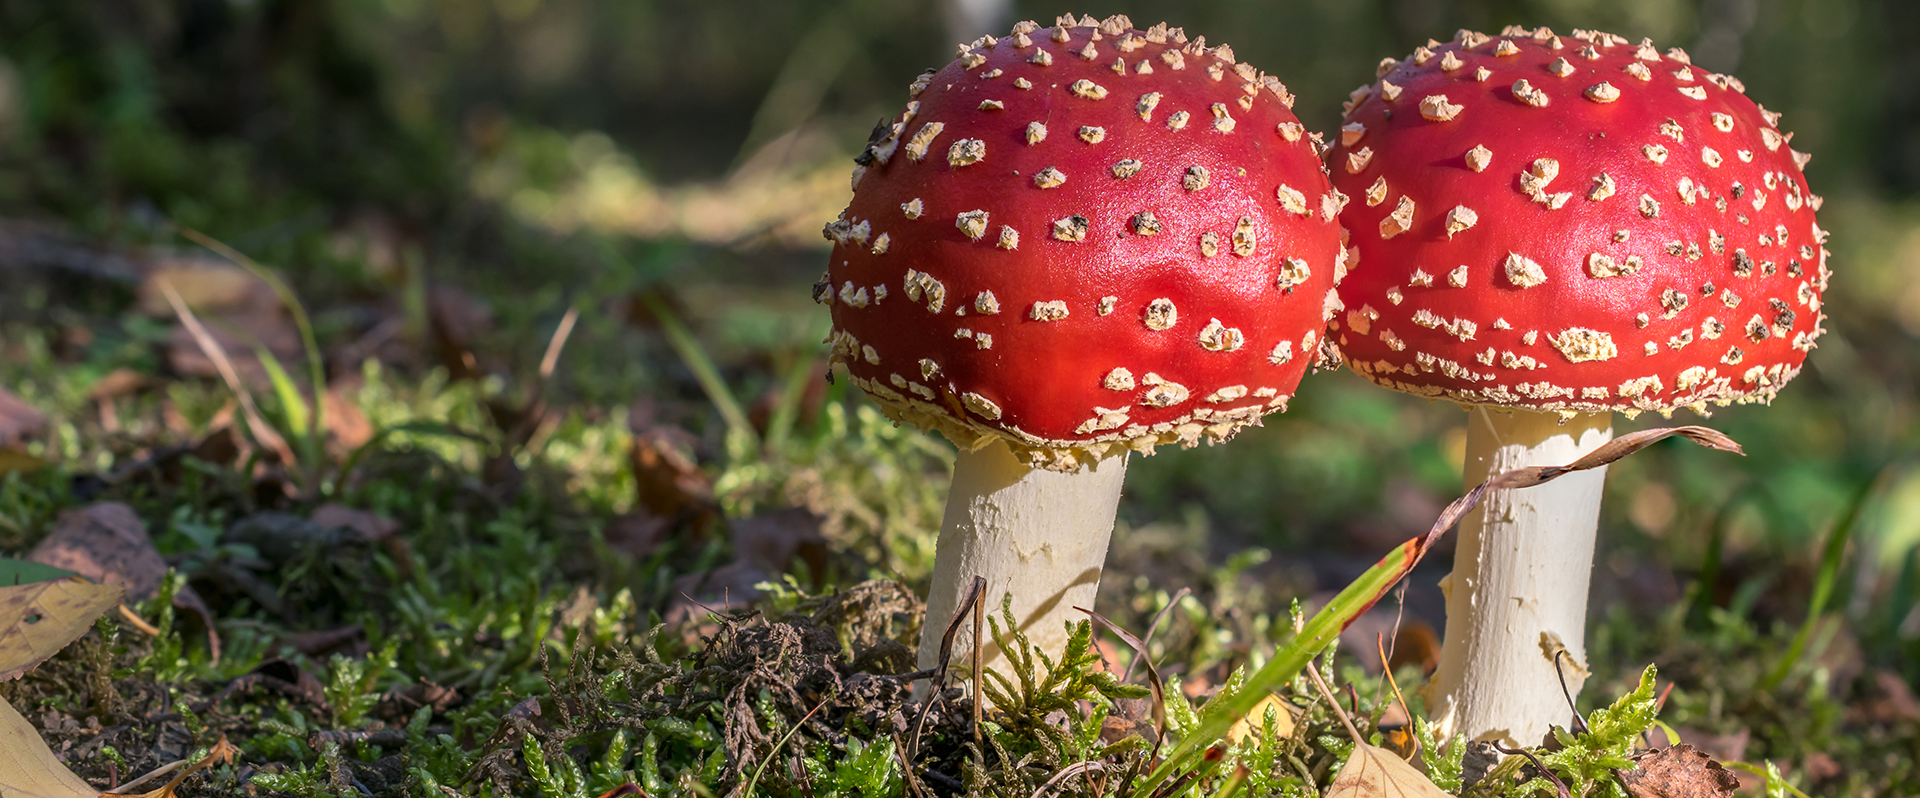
x: 1518, y: 591
x: 1039, y: 535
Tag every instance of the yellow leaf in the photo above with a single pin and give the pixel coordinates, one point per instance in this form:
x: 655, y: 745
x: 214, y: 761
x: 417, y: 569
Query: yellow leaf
x: 28, y: 768
x: 1254, y: 723
x: 1374, y: 772
x: 39, y: 619
x: 12, y: 460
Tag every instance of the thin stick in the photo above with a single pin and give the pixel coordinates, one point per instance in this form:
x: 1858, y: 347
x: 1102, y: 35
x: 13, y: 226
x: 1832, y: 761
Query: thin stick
x: 557, y: 343
x: 151, y: 775
x: 1151, y: 628
x: 138, y: 623
x: 906, y: 768
x: 261, y: 431
x: 1579, y: 723
x: 1378, y: 643
x: 1338, y: 712
x: 979, y: 620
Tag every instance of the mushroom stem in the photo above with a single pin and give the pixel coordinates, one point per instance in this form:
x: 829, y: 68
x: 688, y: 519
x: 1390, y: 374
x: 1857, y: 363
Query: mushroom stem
x: 1518, y: 592
x: 1037, y: 534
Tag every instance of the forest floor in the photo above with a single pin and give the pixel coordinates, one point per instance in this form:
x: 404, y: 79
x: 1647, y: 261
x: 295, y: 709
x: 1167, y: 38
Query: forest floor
x: 395, y: 565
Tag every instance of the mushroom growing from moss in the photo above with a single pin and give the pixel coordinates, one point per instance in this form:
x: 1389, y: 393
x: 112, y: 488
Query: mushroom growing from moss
x: 1555, y: 229
x: 1076, y: 243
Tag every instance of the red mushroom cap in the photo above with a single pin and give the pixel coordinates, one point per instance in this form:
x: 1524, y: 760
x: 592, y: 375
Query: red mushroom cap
x: 1083, y: 237
x: 1577, y: 224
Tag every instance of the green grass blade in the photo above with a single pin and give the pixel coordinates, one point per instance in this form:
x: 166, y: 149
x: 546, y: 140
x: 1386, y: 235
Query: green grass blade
x: 1825, y: 580
x: 703, y: 368
x: 792, y: 393
x: 1318, y: 633
x: 292, y: 404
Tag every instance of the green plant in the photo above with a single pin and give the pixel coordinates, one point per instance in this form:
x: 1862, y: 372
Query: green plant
x: 1042, y: 686
x: 1586, y: 761
x: 863, y: 770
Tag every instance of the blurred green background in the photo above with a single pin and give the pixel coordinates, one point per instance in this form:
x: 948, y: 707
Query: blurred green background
x: 542, y: 154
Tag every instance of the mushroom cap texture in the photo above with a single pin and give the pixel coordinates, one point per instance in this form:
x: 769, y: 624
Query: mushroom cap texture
x: 1576, y: 224
x: 1086, y: 238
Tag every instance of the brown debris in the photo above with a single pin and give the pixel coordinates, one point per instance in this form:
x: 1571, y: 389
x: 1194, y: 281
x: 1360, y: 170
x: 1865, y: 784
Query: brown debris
x: 667, y: 480
x: 1885, y: 699
x: 1679, y: 772
x: 19, y: 422
x: 106, y: 543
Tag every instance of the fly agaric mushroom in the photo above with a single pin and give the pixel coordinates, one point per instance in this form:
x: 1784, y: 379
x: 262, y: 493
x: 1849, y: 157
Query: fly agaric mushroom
x: 1557, y: 229
x: 1077, y: 242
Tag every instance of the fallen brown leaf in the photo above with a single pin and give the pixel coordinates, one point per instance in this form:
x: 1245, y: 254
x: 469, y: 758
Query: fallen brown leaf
x: 1678, y: 772
x: 1886, y: 699
x: 667, y: 480
x: 1416, y: 644
x: 347, y: 427
x: 1375, y: 772
x: 116, y: 383
x: 1730, y: 747
x: 106, y: 542
x: 237, y: 333
x: 458, y: 320
x: 19, y: 421
x: 28, y: 768
x: 637, y: 533
x: 39, y: 619
x: 370, y: 526
x: 774, y: 540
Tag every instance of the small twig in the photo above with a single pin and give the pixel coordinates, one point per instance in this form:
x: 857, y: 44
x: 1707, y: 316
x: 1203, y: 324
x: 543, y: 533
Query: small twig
x: 1334, y: 703
x: 261, y: 431
x: 151, y: 775
x: 1538, y: 765
x: 558, y: 343
x: 979, y: 620
x: 906, y: 768
x: 1378, y: 642
x: 1075, y: 769
x: 1579, y: 723
x: 1152, y: 627
x: 1153, y: 678
x: 135, y: 620
x: 221, y: 751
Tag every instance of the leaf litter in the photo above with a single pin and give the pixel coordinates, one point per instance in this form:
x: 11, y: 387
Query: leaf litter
x: 108, y: 543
